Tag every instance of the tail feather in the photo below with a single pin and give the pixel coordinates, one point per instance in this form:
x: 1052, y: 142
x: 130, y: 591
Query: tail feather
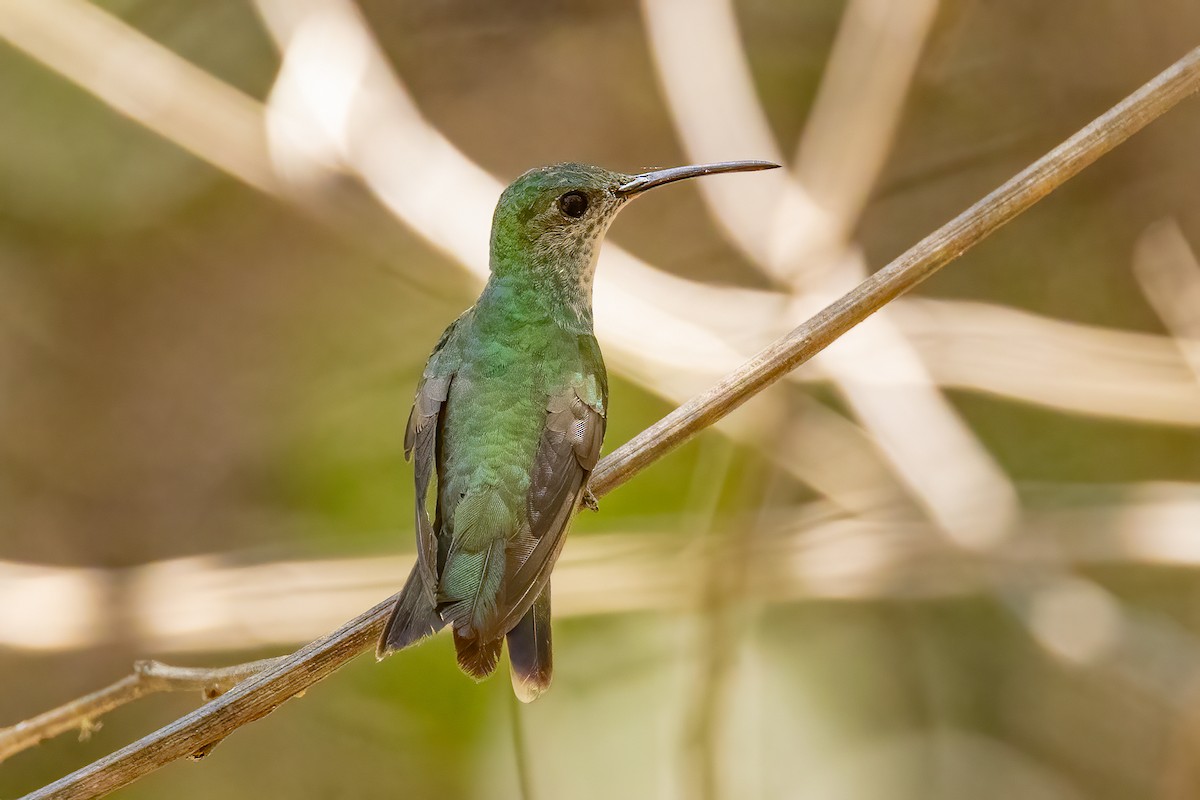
x: 413, y: 618
x: 529, y: 650
x: 477, y: 657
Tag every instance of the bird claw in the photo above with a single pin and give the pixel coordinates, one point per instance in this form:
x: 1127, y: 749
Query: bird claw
x: 589, y: 501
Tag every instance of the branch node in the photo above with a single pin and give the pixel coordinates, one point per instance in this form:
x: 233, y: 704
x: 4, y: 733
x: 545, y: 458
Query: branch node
x: 204, y: 750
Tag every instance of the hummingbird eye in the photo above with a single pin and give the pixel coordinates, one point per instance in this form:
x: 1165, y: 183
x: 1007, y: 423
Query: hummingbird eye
x: 573, y: 204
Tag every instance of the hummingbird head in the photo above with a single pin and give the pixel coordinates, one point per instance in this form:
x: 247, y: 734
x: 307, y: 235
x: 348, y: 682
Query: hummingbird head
x: 549, y: 222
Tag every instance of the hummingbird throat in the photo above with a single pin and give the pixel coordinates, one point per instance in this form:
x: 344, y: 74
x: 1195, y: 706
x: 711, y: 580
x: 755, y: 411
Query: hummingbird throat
x: 557, y: 269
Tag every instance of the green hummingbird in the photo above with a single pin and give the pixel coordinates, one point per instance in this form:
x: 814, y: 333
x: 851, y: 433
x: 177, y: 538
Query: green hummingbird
x: 510, y: 413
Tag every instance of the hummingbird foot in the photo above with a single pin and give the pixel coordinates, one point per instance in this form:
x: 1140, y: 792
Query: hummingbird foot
x: 589, y: 501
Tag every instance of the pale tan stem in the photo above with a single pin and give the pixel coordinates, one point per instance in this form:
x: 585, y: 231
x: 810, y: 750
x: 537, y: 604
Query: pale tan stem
x: 1169, y: 273
x: 145, y: 81
x: 798, y: 232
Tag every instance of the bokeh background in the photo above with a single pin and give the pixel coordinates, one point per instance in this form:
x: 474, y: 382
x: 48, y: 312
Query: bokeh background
x: 955, y: 556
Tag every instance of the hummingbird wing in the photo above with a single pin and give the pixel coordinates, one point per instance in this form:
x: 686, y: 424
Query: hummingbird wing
x: 567, y: 452
x: 420, y: 444
x: 415, y: 615
x: 421, y: 437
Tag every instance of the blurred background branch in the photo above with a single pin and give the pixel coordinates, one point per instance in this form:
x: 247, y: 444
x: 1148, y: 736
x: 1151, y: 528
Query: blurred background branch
x: 145, y: 81
x: 29, y: 27
x: 148, y: 677
x: 799, y: 235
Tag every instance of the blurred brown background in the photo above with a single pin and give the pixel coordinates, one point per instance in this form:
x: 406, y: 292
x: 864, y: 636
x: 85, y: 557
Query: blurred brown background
x: 955, y: 557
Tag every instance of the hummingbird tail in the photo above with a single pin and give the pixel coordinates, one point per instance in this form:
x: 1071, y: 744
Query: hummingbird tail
x: 478, y: 658
x: 529, y: 650
x: 413, y: 618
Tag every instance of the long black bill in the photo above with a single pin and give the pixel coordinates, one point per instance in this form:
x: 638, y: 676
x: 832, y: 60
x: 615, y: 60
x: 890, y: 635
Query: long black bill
x: 648, y: 180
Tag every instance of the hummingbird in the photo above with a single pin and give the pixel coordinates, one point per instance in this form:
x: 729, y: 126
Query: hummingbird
x: 510, y: 415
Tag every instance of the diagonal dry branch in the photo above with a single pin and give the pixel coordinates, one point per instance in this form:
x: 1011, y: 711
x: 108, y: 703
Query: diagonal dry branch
x: 261, y: 694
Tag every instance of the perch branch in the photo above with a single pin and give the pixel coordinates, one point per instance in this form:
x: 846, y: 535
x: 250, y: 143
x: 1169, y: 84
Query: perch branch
x: 148, y: 677
x: 264, y: 692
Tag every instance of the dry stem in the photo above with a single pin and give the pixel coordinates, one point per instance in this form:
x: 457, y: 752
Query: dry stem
x: 147, y: 677
x: 262, y: 693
